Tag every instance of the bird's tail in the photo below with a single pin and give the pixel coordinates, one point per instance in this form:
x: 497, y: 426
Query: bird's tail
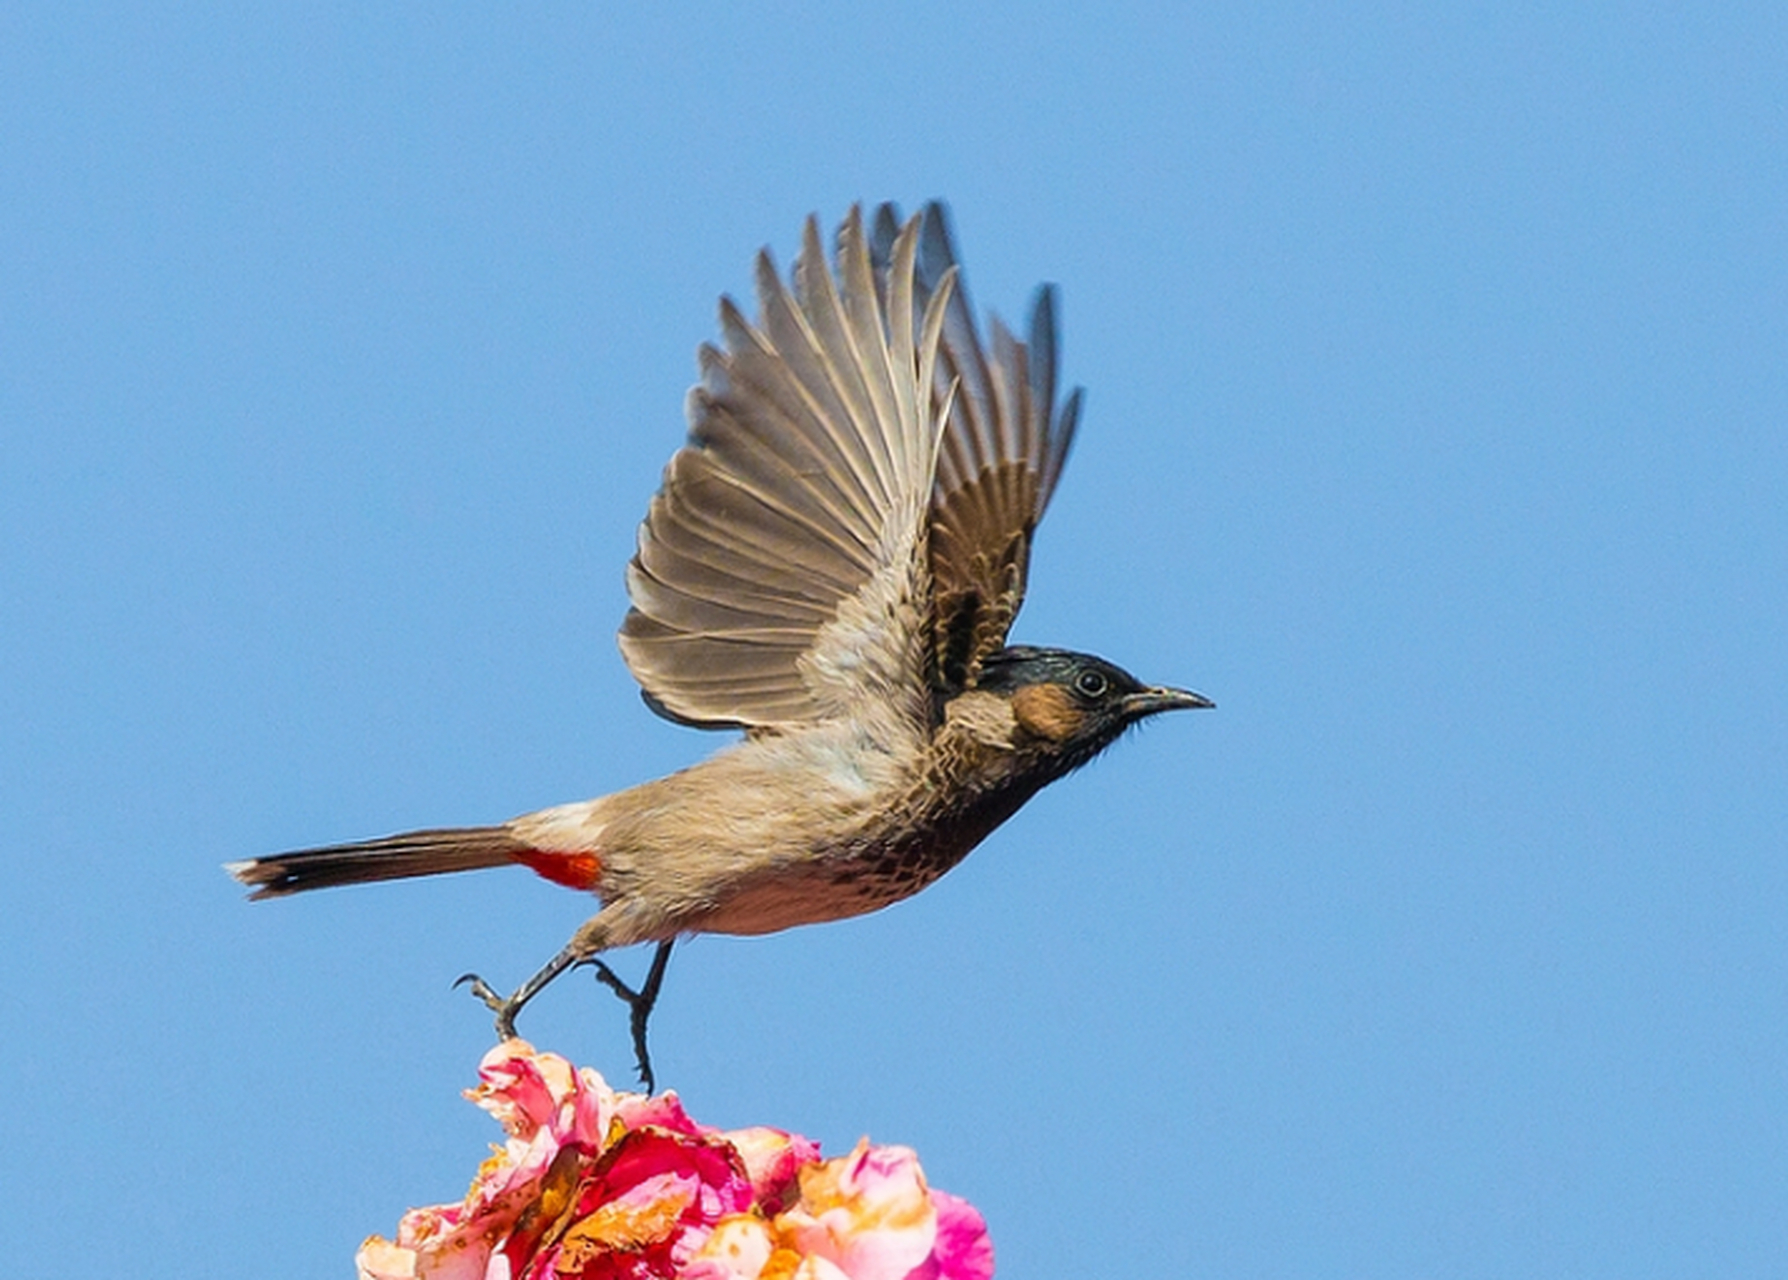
x: 415, y: 853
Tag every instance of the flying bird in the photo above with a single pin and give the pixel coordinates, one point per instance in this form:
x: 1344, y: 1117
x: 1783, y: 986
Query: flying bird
x: 832, y: 564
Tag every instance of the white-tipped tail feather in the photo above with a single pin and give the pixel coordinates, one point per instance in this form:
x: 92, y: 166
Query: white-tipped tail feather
x: 399, y: 857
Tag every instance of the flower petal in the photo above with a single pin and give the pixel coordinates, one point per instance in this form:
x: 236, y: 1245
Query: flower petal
x: 773, y: 1158
x: 737, y: 1249
x: 870, y: 1212
x: 963, y: 1250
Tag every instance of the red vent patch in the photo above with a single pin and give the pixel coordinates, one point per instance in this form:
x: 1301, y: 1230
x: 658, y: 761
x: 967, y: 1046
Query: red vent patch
x: 579, y: 870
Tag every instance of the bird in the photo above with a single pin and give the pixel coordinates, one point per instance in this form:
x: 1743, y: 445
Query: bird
x: 832, y: 565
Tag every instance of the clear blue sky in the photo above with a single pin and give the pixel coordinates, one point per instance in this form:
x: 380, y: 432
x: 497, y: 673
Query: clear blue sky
x: 1437, y: 427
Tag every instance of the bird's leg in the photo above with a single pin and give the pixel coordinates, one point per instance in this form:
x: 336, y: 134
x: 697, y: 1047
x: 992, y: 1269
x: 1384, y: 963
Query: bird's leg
x: 640, y: 1003
x: 507, y: 1008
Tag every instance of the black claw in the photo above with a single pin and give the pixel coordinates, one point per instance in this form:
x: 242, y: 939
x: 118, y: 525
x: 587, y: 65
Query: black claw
x: 480, y: 987
x: 505, y: 1009
x: 639, y: 1004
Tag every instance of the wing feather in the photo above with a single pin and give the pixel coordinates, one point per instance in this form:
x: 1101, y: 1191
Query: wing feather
x: 781, y: 575
x: 1002, y: 453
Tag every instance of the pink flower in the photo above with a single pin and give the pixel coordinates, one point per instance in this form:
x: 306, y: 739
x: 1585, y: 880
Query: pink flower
x: 962, y: 1250
x: 598, y: 1185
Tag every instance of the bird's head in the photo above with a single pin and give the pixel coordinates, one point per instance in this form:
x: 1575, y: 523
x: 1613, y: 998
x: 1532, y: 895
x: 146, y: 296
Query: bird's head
x: 1071, y: 706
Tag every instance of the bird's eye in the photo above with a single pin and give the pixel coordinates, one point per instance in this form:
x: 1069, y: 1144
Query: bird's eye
x: 1091, y: 684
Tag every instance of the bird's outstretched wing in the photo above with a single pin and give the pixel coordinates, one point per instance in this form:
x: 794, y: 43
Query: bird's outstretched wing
x: 781, y: 571
x: 1003, y: 450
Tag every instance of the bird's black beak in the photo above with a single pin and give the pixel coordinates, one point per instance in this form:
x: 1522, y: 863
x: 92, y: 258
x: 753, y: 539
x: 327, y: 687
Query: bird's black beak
x: 1146, y: 702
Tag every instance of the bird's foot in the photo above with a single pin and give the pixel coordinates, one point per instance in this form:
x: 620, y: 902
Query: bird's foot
x: 505, y: 1007
x: 639, y: 1004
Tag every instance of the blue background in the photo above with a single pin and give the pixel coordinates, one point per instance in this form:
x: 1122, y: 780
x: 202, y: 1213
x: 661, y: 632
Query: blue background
x: 1437, y: 428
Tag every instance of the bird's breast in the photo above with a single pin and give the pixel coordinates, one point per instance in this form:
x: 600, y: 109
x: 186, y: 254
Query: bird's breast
x: 780, y: 832
x: 879, y: 853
